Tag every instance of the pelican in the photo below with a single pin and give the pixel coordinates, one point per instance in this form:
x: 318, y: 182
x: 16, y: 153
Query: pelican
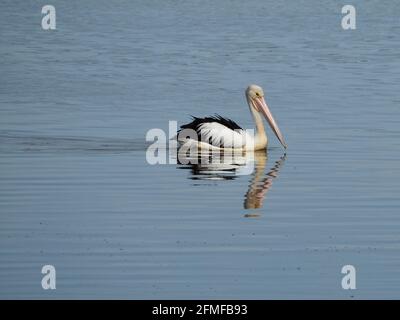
x: 218, y: 133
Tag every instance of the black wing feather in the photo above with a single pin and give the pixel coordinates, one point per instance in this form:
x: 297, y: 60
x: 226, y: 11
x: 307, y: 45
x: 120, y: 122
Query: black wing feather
x: 197, y: 122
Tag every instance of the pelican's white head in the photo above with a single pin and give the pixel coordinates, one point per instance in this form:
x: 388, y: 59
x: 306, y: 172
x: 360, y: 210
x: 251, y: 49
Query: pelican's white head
x: 256, y: 101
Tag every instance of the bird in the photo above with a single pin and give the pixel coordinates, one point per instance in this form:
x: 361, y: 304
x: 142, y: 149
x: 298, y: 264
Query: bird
x: 220, y: 133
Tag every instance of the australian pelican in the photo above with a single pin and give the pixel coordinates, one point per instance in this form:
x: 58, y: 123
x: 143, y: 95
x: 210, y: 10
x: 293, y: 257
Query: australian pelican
x: 216, y: 132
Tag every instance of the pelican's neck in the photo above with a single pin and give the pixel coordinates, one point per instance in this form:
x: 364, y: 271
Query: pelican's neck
x: 260, y: 135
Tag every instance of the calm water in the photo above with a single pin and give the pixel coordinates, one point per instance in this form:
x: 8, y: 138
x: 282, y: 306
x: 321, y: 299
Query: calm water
x: 76, y: 190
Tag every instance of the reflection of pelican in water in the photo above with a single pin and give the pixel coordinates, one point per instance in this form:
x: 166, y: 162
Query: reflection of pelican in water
x: 218, y: 166
x: 230, y: 166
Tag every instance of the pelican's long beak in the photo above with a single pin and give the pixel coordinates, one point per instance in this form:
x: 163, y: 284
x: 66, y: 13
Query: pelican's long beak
x: 262, y: 106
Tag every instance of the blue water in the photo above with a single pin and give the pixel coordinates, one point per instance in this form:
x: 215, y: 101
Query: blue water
x: 77, y: 192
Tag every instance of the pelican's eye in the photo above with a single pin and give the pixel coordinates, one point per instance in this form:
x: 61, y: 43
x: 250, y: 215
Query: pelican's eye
x: 257, y: 94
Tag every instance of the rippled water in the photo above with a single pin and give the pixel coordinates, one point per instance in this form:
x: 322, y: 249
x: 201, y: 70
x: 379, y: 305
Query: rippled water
x: 76, y: 191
